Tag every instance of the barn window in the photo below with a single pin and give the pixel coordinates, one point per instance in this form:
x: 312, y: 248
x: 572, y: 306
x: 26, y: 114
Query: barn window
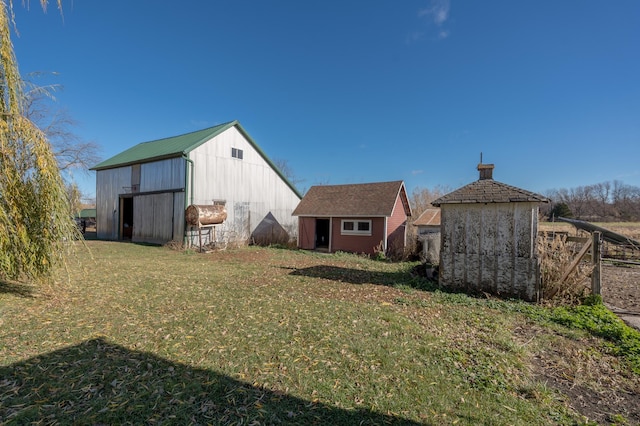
x: 356, y: 227
x: 236, y: 153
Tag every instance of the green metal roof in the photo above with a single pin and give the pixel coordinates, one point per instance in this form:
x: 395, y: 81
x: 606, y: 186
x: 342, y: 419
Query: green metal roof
x: 84, y: 213
x: 177, y: 146
x: 163, y: 148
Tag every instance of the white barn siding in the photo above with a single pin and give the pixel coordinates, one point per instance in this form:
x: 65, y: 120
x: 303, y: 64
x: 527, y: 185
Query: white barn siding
x: 153, y: 218
x: 250, y: 186
x: 490, y: 248
x: 109, y: 184
x: 162, y: 175
x: 148, y: 209
x: 178, y: 216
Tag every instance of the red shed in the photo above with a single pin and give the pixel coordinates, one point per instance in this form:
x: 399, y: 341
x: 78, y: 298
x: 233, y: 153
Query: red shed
x: 358, y: 218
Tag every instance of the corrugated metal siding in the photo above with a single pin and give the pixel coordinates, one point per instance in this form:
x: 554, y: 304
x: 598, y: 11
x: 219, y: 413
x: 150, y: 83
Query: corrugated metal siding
x: 178, y: 215
x: 109, y: 184
x: 250, y: 187
x: 153, y: 218
x: 147, y: 208
x: 490, y: 248
x: 162, y: 175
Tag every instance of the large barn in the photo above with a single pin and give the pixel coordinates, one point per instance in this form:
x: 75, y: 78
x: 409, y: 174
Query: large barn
x: 142, y: 193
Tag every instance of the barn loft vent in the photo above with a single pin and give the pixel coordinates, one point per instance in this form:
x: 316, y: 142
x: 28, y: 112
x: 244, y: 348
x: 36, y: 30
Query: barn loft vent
x: 486, y: 171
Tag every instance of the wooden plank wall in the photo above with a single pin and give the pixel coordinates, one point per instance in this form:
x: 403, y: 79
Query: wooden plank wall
x: 490, y: 248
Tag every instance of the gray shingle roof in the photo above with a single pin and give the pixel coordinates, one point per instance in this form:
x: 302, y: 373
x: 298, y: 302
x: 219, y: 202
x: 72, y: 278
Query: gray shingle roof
x: 430, y: 217
x: 489, y: 191
x: 362, y: 199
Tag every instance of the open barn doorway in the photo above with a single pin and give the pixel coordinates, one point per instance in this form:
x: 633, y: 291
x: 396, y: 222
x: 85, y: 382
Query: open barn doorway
x: 322, y: 234
x: 126, y: 218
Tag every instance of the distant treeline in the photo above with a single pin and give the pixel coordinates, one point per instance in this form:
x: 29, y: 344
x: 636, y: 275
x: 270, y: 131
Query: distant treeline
x: 602, y: 202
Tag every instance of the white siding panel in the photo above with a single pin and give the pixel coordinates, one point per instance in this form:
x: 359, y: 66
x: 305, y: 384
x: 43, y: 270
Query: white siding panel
x: 250, y: 187
x: 473, y: 225
x: 473, y: 269
x: 459, y: 270
x: 109, y: 184
x: 162, y: 175
x: 445, y: 273
x: 153, y: 218
x: 178, y: 216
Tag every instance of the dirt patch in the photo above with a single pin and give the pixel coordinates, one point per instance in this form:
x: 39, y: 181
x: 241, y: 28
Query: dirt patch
x: 588, y: 381
x: 621, y: 287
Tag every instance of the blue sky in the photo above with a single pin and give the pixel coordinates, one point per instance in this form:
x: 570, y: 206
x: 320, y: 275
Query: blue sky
x: 358, y: 91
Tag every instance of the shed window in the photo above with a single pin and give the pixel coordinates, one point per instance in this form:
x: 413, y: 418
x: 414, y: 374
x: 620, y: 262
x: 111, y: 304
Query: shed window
x: 236, y: 153
x: 356, y: 227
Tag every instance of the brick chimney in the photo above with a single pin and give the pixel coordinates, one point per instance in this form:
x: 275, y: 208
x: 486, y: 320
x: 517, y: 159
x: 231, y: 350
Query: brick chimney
x: 486, y: 171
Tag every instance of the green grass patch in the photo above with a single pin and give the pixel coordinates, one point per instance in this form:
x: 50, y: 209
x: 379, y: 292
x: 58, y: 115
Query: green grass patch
x: 596, y: 319
x: 262, y: 336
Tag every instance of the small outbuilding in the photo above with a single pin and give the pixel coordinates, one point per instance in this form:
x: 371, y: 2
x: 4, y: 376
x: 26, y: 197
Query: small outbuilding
x: 428, y: 234
x: 488, y: 238
x: 359, y: 218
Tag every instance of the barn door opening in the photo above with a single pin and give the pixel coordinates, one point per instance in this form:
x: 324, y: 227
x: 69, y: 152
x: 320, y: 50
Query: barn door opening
x: 322, y: 233
x: 126, y: 218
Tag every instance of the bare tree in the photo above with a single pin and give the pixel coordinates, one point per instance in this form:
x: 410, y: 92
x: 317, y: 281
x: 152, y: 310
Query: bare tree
x: 601, y: 202
x: 626, y: 201
x: 287, y: 171
x: 421, y: 198
x: 420, y: 201
x: 70, y: 151
x: 602, y: 197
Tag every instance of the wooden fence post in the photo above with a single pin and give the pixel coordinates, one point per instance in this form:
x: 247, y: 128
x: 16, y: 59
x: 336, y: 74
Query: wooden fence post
x: 596, y: 258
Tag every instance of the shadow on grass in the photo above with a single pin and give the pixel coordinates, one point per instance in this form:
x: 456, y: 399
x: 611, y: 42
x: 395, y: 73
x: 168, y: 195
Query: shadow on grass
x: 17, y: 289
x: 98, y: 382
x: 358, y: 276
x: 90, y: 235
x: 391, y: 279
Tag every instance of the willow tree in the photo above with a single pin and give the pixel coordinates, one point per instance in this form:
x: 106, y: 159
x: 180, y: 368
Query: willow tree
x: 36, y: 227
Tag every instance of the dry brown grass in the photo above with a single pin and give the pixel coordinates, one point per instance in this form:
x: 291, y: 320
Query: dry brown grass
x: 628, y: 229
x: 556, y: 255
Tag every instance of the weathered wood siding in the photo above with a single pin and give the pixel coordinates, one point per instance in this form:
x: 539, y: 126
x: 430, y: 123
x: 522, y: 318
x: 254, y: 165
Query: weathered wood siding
x: 250, y: 186
x: 109, y: 185
x: 490, y: 247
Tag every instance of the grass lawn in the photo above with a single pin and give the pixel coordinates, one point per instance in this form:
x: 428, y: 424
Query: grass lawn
x: 147, y: 335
